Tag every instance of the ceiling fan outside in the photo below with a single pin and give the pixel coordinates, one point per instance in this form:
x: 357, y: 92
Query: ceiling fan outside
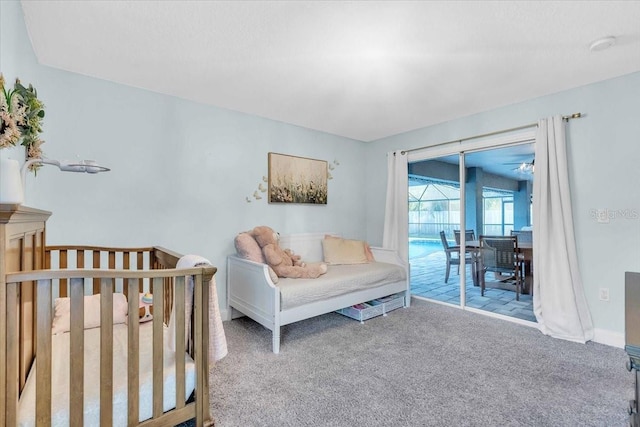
x: 524, y: 167
x: 527, y: 168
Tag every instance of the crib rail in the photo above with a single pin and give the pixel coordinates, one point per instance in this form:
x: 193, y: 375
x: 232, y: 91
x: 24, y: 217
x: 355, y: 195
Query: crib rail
x: 65, y: 257
x: 158, y: 257
x: 164, y: 283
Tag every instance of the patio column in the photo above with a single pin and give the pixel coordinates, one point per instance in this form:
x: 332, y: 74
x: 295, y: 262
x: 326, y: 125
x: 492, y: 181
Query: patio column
x: 473, y: 205
x: 521, y: 204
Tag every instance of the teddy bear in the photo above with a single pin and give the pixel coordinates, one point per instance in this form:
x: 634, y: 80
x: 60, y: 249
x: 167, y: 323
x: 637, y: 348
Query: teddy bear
x: 283, y: 261
x: 295, y: 258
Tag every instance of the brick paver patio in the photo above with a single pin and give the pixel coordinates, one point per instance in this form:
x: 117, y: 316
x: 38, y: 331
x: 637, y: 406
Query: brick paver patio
x: 427, y: 280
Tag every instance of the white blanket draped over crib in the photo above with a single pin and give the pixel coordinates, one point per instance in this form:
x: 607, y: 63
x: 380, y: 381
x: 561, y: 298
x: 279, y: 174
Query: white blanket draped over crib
x: 217, y: 338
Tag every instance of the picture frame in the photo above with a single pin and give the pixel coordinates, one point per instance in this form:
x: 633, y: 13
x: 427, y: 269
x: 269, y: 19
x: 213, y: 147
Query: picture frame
x: 294, y: 179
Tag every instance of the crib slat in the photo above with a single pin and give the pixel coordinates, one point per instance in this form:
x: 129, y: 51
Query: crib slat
x: 76, y: 360
x: 180, y: 338
x: 106, y: 352
x: 168, y: 298
x: 125, y: 266
x: 79, y: 258
x: 43, y: 353
x: 140, y: 266
x: 133, y: 355
x: 62, y: 262
x: 158, y: 316
x: 199, y: 350
x: 96, y: 265
x: 47, y: 258
x: 12, y: 355
x: 206, y: 413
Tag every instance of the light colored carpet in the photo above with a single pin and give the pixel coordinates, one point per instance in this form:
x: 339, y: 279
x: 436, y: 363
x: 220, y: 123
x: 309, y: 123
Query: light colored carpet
x: 427, y: 365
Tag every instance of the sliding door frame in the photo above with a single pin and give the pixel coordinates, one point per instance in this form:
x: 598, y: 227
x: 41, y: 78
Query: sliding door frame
x: 461, y: 148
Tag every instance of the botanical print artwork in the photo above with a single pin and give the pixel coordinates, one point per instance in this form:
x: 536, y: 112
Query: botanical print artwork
x: 297, y: 179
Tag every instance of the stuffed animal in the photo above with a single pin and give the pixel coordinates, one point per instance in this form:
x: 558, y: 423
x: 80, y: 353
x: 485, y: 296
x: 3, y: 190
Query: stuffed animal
x: 247, y: 248
x: 145, y: 308
x: 283, y: 261
x: 296, y: 259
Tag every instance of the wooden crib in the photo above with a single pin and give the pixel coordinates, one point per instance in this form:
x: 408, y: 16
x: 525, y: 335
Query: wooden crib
x: 26, y: 313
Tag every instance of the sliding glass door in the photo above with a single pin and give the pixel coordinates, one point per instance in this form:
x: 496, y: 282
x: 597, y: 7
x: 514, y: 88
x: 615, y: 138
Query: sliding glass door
x: 499, y: 184
x: 455, y: 199
x: 434, y: 214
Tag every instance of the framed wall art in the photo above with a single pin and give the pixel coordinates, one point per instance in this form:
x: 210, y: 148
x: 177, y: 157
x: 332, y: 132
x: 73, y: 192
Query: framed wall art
x: 295, y: 179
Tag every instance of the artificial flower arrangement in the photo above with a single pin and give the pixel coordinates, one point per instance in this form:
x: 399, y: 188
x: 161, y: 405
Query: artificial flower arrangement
x: 21, y: 114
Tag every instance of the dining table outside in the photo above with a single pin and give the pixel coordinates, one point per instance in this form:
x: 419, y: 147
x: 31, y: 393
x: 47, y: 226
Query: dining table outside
x: 525, y: 250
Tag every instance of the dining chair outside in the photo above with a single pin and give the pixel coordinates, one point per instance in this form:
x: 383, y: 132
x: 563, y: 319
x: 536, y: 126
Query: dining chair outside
x: 499, y: 254
x: 453, y: 256
x: 524, y: 236
x: 469, y: 235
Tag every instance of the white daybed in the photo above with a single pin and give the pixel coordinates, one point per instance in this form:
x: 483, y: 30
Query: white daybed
x: 251, y: 291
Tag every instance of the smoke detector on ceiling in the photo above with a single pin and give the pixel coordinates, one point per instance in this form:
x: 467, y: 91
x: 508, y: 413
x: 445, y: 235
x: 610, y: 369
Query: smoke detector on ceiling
x: 602, y: 44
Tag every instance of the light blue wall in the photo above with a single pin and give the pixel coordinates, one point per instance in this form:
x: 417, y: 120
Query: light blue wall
x: 180, y: 170
x: 604, y: 160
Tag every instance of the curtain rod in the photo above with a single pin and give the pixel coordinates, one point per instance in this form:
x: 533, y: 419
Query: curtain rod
x: 565, y: 118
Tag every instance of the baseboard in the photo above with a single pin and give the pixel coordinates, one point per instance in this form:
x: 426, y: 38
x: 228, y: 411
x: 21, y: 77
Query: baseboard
x: 229, y: 313
x: 607, y: 337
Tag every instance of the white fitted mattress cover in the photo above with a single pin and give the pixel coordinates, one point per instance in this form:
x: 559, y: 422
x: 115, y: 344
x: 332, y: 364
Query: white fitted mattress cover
x: 60, y: 378
x: 338, y: 280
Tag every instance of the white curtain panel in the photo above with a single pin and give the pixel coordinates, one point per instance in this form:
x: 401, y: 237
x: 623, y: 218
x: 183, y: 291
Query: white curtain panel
x: 396, y: 214
x: 559, y: 302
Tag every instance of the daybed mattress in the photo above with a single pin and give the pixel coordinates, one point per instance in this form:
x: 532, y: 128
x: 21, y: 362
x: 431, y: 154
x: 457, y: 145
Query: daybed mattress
x: 339, y: 280
x: 60, y: 378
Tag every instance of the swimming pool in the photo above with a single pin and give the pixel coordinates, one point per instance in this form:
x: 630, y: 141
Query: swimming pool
x: 423, y: 247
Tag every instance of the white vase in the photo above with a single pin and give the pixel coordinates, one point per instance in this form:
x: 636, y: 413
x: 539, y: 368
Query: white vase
x: 10, y: 182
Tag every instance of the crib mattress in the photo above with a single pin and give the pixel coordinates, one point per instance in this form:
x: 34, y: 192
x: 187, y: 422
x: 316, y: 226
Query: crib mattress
x: 339, y: 280
x: 60, y: 379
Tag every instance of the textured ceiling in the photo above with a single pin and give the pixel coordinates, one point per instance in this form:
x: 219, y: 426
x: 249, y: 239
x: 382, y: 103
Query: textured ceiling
x: 364, y: 70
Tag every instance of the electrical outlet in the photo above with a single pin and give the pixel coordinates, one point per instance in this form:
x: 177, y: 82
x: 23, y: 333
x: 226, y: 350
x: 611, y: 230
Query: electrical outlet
x: 604, y: 294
